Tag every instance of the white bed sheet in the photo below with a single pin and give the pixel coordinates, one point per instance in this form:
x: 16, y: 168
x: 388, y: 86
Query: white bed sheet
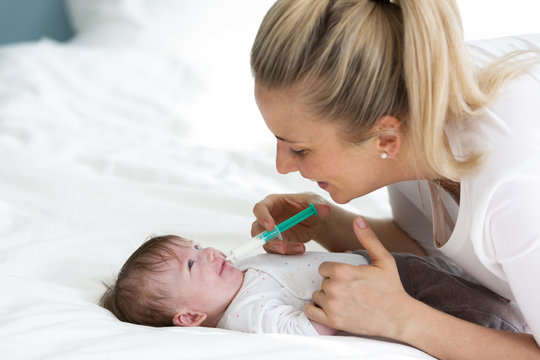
x: 101, y: 148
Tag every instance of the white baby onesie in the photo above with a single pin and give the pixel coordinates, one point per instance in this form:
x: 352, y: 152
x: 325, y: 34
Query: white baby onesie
x: 274, y: 292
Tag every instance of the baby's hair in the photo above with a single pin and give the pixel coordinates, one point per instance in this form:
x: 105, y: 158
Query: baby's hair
x: 137, y: 296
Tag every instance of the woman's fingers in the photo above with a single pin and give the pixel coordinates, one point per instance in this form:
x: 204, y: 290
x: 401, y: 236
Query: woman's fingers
x: 365, y: 299
x: 276, y: 208
x: 332, y: 303
x: 371, y: 242
x: 264, y: 221
x: 257, y: 227
x: 315, y: 313
x: 283, y: 247
x: 315, y: 310
x: 323, y: 210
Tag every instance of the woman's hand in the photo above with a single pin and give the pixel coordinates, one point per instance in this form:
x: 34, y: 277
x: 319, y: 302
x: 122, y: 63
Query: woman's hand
x: 276, y: 208
x: 364, y: 300
x: 370, y: 300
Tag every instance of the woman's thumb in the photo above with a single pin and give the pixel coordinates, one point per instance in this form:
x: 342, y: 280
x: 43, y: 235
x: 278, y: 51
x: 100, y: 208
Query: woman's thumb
x: 369, y: 240
x: 323, y: 210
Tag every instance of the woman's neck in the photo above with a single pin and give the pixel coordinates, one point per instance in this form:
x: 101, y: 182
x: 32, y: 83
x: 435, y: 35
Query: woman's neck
x: 452, y: 187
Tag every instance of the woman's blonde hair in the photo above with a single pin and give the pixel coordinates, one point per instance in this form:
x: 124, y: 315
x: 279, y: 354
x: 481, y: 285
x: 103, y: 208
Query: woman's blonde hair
x: 357, y: 60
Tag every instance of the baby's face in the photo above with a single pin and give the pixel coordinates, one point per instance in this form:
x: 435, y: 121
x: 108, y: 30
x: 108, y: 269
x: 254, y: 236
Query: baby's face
x: 202, y: 279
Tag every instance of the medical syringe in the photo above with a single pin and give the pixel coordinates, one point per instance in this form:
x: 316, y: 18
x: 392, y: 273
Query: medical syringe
x: 264, y: 237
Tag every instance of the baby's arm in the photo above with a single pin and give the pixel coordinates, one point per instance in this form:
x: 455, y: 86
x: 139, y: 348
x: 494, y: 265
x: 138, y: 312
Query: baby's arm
x: 284, y: 318
x: 267, y: 315
x: 323, y: 329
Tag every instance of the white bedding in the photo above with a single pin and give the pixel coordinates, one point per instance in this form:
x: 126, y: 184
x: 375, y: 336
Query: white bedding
x: 100, y: 148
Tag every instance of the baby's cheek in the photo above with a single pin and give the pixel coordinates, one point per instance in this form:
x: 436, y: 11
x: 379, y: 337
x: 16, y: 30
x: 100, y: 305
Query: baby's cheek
x: 239, y: 278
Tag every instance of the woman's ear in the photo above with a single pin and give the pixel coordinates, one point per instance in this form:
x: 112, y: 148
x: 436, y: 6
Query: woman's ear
x: 390, y: 139
x: 188, y: 318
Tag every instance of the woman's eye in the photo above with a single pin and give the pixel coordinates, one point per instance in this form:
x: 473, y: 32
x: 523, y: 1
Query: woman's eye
x: 298, y: 153
x: 190, y: 264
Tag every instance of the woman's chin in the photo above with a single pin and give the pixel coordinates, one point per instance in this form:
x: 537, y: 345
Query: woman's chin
x: 339, y: 198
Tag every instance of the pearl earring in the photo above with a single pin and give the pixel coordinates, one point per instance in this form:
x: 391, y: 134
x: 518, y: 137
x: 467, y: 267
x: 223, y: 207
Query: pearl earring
x: 384, y: 155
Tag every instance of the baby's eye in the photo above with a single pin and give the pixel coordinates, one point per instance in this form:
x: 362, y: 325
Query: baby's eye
x: 197, y: 247
x: 190, y: 264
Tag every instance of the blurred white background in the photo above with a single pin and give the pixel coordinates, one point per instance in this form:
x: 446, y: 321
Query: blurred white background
x: 495, y: 18
x: 482, y: 19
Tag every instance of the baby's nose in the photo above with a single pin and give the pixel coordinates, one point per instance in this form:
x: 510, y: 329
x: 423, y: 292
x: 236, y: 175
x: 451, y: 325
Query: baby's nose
x: 211, y: 253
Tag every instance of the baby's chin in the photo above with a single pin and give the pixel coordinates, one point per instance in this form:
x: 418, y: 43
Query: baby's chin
x: 237, y: 276
x: 238, y: 272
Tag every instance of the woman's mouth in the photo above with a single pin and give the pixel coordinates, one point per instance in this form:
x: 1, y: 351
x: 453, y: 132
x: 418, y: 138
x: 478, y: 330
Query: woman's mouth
x: 322, y: 184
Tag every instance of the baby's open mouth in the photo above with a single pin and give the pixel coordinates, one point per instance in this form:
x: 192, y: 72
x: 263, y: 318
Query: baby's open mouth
x: 223, y: 264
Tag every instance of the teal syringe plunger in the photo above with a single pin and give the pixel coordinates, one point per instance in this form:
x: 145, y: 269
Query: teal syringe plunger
x: 264, y: 237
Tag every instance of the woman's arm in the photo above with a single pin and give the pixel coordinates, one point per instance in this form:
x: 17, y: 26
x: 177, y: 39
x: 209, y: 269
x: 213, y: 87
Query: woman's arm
x: 447, y: 337
x: 338, y: 235
x: 370, y: 300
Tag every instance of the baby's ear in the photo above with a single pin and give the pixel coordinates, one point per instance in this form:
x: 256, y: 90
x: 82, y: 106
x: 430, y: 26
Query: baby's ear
x: 188, y: 318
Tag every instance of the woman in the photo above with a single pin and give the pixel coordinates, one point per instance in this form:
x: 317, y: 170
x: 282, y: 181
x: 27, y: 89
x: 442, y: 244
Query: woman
x: 364, y: 94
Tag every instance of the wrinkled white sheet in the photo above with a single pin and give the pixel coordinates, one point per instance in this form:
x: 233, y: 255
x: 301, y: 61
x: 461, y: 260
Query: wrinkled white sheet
x: 100, y: 149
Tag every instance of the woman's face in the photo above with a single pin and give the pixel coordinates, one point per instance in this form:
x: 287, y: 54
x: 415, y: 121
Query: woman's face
x: 314, y: 148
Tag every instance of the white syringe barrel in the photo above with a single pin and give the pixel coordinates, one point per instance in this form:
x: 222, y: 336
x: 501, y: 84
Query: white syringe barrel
x: 249, y: 246
x: 245, y: 248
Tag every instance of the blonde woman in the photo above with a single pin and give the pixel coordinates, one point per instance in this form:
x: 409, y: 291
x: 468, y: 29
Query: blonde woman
x: 363, y: 94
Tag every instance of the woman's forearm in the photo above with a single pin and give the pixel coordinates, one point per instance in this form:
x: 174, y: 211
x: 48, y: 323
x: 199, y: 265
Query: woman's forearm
x: 339, y: 235
x: 447, y: 337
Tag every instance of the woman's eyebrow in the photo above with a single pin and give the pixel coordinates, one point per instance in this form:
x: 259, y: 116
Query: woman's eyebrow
x: 287, y: 141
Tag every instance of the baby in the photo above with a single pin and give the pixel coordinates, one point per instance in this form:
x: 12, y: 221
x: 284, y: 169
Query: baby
x: 170, y: 281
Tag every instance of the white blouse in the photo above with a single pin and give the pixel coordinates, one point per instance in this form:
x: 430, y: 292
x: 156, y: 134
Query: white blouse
x: 494, y: 233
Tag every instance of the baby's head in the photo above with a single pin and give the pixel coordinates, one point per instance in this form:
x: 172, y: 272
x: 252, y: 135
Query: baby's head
x: 171, y: 281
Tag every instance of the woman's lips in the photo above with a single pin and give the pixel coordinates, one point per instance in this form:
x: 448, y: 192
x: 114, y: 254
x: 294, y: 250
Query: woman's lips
x: 323, y: 185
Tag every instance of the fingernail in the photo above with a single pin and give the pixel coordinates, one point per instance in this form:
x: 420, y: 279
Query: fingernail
x: 361, y: 222
x: 267, y: 225
x: 298, y: 248
x: 279, y: 248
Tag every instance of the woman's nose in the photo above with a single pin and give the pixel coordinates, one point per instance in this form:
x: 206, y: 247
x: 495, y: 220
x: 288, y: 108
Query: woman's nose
x: 285, y: 160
